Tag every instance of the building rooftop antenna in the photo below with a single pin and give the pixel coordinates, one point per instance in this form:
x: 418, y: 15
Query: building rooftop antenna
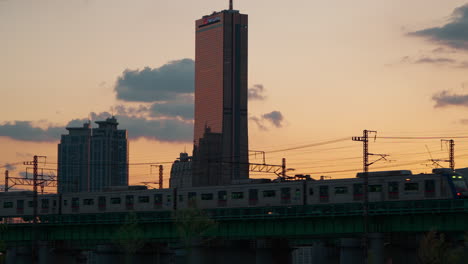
x: 230, y: 4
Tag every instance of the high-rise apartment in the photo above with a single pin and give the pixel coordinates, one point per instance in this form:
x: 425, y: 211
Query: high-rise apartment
x: 92, y: 159
x: 221, y: 133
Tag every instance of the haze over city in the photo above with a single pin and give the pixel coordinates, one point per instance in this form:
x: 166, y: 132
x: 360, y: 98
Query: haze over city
x: 318, y: 73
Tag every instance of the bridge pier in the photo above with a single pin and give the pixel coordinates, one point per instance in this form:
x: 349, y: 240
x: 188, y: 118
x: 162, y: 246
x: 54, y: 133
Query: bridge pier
x: 376, y: 248
x: 351, y: 251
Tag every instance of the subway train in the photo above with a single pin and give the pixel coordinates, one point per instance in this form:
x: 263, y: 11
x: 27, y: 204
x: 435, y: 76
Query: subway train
x: 382, y: 186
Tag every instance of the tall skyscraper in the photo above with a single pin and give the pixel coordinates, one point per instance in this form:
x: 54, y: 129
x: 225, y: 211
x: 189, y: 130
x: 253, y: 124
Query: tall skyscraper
x: 92, y: 159
x: 221, y: 133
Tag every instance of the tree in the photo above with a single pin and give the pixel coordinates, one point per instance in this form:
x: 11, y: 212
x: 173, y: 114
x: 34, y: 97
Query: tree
x: 130, y: 236
x: 436, y: 249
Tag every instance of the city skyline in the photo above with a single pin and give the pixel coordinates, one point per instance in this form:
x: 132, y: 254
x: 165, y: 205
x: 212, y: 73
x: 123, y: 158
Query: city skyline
x: 338, y: 68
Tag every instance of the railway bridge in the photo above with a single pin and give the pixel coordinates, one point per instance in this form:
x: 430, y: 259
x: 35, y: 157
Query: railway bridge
x: 266, y: 234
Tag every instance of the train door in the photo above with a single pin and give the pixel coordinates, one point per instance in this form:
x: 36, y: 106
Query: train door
x: 324, y: 193
x: 102, y: 203
x: 393, y: 191
x: 158, y: 201
x: 285, y: 195
x: 429, y: 188
x: 253, y: 196
x: 358, y: 192
x: 75, y: 204
x: 19, y: 206
x: 129, y: 202
x: 222, y: 198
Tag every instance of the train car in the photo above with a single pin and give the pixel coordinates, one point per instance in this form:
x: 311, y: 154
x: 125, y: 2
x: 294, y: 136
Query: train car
x: 243, y: 195
x: 114, y: 201
x: 20, y: 204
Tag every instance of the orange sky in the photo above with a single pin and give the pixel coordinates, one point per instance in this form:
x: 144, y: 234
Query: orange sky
x: 331, y: 68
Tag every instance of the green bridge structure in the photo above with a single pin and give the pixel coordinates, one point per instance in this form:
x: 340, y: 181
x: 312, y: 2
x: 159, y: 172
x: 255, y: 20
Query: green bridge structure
x: 295, y: 224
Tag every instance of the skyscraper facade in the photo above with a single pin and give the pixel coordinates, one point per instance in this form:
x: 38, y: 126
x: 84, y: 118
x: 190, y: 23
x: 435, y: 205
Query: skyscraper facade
x: 221, y: 133
x: 92, y: 159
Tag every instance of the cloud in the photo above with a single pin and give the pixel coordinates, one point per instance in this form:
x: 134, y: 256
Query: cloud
x: 445, y: 98
x: 256, y: 92
x: 464, y: 121
x: 454, y: 34
x: 157, y: 84
x: 10, y: 167
x: 274, y: 118
x: 25, y: 131
x: 173, y: 109
x: 437, y: 61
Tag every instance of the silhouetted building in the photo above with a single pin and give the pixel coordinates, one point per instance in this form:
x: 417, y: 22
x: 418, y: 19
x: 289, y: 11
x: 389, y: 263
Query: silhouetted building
x: 221, y: 134
x: 91, y: 159
x: 181, y: 172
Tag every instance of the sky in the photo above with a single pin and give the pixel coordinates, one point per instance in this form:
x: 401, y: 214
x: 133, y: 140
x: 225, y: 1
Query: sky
x: 320, y: 72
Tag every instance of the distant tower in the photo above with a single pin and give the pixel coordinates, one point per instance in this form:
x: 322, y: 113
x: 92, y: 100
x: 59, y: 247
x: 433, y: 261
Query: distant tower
x: 181, y: 172
x: 221, y: 133
x: 93, y: 159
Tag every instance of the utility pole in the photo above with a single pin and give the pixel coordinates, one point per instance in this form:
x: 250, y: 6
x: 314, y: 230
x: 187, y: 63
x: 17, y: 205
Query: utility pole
x: 451, y: 152
x: 161, y: 177
x: 283, y: 168
x: 6, y: 181
x: 34, y: 227
x: 365, y: 140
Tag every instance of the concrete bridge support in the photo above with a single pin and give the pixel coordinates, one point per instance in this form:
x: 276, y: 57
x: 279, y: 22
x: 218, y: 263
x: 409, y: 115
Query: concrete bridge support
x: 351, y: 251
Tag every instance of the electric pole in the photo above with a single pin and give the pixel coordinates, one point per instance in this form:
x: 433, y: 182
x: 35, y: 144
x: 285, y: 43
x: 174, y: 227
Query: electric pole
x: 451, y: 152
x: 6, y: 181
x: 365, y: 157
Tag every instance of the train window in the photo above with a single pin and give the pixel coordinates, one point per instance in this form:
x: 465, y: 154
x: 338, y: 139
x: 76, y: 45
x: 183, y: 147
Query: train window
x: 115, y: 200
x: 54, y: 203
x: 311, y: 191
x: 143, y: 199
x: 88, y: 201
x: 411, y: 186
x: 181, y: 198
x: 269, y: 193
x: 44, y: 203
x: 169, y: 198
x: 8, y: 205
x: 192, y: 195
x: 207, y: 196
x: 65, y: 202
x: 75, y: 202
x: 237, y: 195
x: 158, y: 198
x: 341, y: 190
x: 323, y: 191
x: 375, y: 188
x: 30, y: 203
x: 20, y: 204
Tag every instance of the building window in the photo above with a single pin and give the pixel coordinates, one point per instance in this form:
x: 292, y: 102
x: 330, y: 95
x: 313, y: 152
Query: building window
x: 115, y: 200
x: 207, y: 196
x: 411, y: 186
x: 237, y: 195
x: 341, y: 190
x: 269, y: 193
x: 143, y: 199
